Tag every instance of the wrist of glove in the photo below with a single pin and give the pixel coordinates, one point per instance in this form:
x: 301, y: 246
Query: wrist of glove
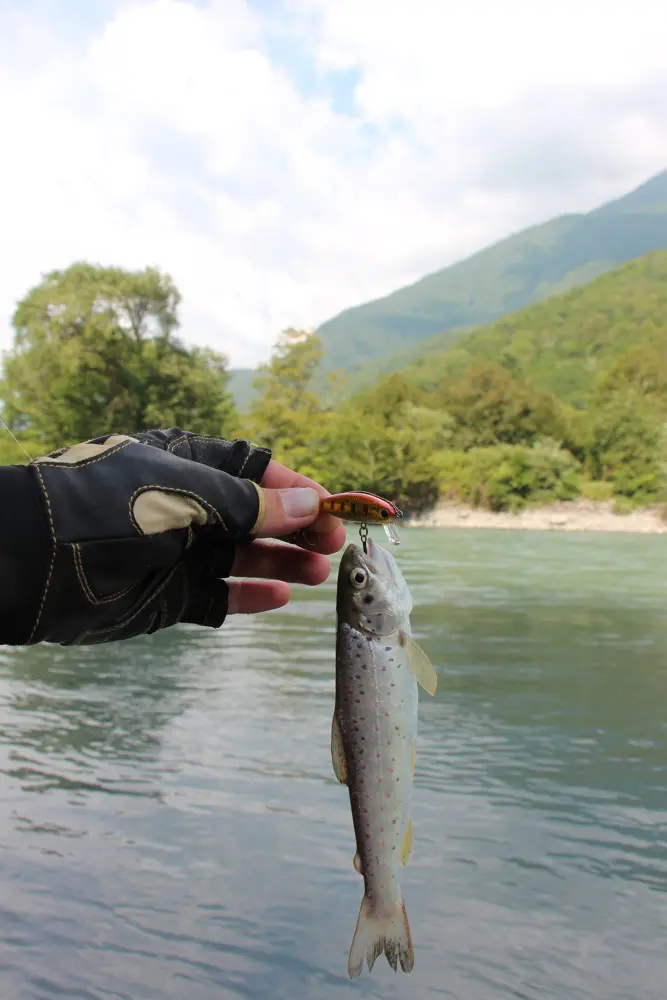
x: 139, y: 533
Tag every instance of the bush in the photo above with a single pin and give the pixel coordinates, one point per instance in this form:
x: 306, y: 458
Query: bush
x: 596, y: 490
x: 509, y: 477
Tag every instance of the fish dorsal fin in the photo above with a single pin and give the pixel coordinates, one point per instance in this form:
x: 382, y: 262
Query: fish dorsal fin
x: 419, y: 663
x: 406, y: 846
x: 338, y: 758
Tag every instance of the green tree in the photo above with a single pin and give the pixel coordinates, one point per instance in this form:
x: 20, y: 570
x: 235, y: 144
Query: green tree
x: 643, y: 369
x: 95, y: 350
x: 286, y: 415
x: 492, y: 407
x: 627, y: 446
x: 385, y: 442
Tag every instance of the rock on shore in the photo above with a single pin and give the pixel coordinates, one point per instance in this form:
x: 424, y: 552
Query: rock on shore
x: 571, y: 515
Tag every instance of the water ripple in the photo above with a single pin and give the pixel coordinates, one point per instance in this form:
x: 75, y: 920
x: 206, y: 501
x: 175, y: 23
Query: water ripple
x: 171, y: 825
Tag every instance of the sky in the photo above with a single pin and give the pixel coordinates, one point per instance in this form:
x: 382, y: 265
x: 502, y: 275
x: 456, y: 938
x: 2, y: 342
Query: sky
x: 285, y: 159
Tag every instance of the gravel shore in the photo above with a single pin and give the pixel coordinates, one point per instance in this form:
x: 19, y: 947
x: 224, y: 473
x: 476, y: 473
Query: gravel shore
x: 574, y: 515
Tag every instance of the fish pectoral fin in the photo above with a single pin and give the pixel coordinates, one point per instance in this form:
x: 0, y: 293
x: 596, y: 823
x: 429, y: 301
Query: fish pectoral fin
x: 338, y: 758
x: 419, y: 664
x: 406, y: 846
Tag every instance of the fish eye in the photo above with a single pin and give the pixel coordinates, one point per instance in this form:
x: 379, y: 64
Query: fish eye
x: 384, y: 513
x: 358, y: 577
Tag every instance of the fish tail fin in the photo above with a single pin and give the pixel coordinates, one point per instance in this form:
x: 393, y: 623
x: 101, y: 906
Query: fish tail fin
x: 376, y: 934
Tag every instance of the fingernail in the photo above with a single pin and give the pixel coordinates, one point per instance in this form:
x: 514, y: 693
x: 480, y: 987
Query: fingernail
x: 300, y: 502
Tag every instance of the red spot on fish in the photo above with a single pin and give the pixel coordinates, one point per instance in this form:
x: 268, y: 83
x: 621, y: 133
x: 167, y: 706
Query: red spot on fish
x: 382, y: 886
x: 377, y: 729
x: 363, y: 767
x: 391, y: 770
x: 381, y: 829
x: 386, y: 715
x: 387, y: 794
x: 377, y: 755
x: 377, y: 704
x: 379, y: 779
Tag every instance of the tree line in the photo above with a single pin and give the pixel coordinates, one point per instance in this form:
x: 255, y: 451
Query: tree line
x: 97, y: 350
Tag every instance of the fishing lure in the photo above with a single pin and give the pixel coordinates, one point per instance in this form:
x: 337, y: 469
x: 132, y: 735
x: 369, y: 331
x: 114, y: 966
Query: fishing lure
x: 362, y: 508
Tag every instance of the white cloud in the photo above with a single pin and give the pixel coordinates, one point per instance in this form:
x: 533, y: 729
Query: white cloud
x: 174, y: 133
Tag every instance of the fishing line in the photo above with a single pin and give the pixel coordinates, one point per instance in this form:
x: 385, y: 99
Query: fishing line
x: 15, y: 439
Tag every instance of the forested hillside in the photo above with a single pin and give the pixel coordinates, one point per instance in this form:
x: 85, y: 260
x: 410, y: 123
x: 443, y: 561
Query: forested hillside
x: 526, y: 267
x: 560, y: 399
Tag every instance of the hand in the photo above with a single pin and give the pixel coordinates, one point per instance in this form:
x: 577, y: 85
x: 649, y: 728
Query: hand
x: 144, y: 532
x: 274, y: 565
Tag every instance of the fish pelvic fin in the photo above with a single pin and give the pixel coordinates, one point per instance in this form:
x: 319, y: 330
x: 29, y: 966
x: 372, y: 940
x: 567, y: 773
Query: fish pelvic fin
x: 376, y: 934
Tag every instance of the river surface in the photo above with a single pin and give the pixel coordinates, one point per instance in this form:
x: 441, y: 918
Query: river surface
x: 170, y: 827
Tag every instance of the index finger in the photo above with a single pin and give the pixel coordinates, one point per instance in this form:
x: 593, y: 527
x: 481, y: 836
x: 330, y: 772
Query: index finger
x: 279, y: 477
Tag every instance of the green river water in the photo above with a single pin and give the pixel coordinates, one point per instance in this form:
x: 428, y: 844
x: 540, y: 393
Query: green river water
x: 170, y: 827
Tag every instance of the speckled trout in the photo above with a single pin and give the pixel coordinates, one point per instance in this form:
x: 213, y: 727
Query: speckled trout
x: 373, y: 737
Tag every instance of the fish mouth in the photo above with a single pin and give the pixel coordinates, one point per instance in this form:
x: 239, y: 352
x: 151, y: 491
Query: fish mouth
x: 355, y: 556
x: 376, y: 561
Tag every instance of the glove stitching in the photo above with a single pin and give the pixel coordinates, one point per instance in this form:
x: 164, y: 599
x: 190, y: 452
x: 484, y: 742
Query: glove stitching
x: 85, y: 586
x: 245, y: 462
x: 49, y: 577
x: 207, y: 438
x: 142, y: 607
x: 87, y: 461
x: 170, y: 490
x: 174, y: 444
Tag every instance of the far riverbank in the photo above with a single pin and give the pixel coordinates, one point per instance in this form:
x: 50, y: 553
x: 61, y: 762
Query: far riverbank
x: 571, y: 515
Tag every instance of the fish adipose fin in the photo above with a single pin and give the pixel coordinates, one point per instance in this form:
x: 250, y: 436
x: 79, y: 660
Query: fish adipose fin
x: 374, y: 935
x: 338, y: 758
x: 419, y: 663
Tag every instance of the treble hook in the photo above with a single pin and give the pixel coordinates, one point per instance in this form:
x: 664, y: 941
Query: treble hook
x: 363, y: 534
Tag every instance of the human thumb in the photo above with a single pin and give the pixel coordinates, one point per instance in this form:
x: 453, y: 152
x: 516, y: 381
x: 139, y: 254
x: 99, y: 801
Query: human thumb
x: 286, y: 511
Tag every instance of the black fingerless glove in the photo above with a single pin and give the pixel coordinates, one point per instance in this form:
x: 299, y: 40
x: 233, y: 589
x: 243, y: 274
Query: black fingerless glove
x: 121, y: 536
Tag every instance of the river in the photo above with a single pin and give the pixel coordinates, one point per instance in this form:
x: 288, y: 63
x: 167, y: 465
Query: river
x: 170, y: 827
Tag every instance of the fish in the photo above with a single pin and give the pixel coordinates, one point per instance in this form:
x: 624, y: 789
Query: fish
x: 360, y: 507
x: 373, y: 741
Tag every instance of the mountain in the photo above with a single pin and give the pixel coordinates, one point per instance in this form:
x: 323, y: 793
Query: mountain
x: 526, y: 267
x: 566, y: 342
x: 531, y: 265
